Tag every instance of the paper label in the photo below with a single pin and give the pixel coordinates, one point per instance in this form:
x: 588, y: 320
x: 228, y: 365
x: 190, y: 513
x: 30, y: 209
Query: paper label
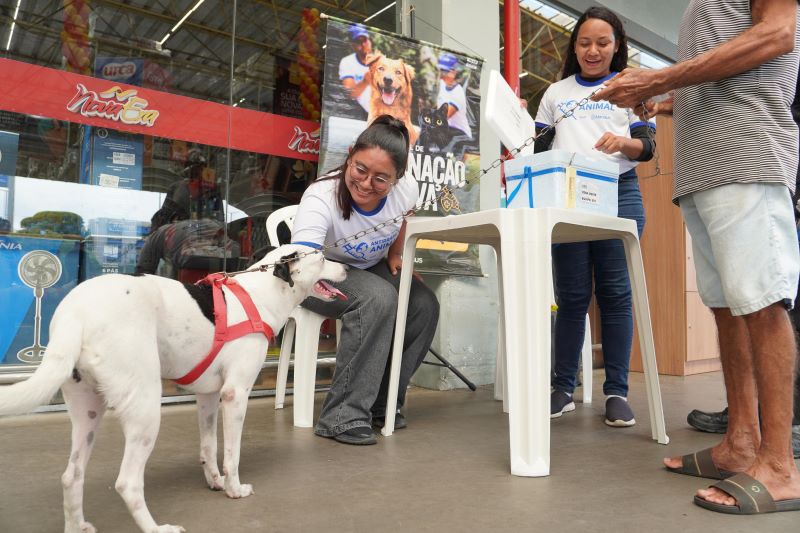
x: 590, y: 193
x: 108, y: 180
x: 123, y: 158
x: 571, y: 176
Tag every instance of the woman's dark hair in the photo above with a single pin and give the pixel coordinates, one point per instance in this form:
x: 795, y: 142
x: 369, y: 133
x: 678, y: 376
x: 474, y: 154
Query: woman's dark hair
x: 386, y: 133
x: 620, y: 59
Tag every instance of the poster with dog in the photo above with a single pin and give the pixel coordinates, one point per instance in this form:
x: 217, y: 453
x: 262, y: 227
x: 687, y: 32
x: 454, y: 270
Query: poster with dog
x: 435, y: 91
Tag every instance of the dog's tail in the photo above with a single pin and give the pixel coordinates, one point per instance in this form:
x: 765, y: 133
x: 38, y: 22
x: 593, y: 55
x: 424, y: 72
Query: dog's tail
x: 57, y: 365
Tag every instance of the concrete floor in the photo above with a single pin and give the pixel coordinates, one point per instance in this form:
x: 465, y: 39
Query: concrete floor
x: 448, y: 471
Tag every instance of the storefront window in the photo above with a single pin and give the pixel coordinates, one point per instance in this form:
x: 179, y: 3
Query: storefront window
x: 148, y: 137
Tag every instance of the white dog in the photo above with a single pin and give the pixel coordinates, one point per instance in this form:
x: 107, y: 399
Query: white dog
x: 112, y: 340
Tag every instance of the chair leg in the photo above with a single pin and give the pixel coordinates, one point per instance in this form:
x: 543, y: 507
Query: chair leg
x: 587, y: 363
x: 283, y: 362
x: 305, y: 369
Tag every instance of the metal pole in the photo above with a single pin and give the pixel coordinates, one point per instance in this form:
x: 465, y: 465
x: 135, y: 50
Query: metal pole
x: 511, y: 37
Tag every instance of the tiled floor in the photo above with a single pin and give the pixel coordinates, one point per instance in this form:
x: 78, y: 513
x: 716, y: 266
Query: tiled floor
x: 448, y: 471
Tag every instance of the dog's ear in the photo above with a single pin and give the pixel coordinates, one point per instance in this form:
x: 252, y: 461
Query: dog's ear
x: 372, y: 58
x: 409, y: 72
x: 282, y: 269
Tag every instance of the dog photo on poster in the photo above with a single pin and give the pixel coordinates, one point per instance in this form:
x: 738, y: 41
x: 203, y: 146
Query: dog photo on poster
x: 436, y: 93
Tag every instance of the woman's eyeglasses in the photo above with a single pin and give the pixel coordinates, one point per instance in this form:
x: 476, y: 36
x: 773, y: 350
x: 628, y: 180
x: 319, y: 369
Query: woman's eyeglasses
x: 379, y: 182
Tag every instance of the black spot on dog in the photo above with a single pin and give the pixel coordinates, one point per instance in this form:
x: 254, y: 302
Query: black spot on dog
x: 92, y: 414
x: 202, y: 295
x: 76, y: 375
x: 90, y: 438
x: 127, y: 291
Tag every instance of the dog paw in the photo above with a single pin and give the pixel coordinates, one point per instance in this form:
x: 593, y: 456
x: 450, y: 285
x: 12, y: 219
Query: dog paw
x: 82, y: 527
x: 216, y: 483
x: 166, y: 528
x: 243, y: 491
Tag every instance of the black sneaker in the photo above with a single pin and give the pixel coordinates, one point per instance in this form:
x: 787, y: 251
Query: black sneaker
x: 399, y: 421
x: 359, y: 436
x: 796, y: 441
x: 618, y: 413
x: 560, y: 403
x: 709, y: 422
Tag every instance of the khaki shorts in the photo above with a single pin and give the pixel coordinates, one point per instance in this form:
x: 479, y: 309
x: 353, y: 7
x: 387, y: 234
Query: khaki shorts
x: 745, y: 245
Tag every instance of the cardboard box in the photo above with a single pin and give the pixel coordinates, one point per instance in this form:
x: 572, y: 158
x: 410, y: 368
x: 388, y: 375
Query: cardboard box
x: 557, y: 178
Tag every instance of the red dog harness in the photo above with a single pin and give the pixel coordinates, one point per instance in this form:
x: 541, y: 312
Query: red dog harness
x: 223, y: 333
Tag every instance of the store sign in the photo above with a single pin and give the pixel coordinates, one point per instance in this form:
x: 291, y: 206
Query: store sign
x: 303, y: 142
x: 90, y: 101
x: 114, y: 104
x: 119, y: 69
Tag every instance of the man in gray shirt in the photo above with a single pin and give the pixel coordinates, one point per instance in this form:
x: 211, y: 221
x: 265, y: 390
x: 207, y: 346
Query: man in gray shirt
x: 736, y: 149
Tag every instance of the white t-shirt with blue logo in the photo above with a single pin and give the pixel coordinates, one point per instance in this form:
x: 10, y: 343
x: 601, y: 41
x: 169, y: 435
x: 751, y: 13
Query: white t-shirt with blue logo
x: 351, y: 67
x: 319, y: 222
x: 456, y: 97
x: 581, y: 131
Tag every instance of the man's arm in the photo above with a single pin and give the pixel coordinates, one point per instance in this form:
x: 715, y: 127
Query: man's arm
x: 771, y: 36
x: 356, y: 88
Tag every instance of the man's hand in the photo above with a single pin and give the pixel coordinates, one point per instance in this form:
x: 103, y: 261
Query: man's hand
x: 631, y: 87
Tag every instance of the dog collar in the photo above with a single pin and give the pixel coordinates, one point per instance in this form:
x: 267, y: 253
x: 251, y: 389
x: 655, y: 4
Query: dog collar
x: 222, y: 332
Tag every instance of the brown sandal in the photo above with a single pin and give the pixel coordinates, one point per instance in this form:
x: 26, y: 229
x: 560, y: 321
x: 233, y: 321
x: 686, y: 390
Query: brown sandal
x: 700, y: 464
x: 751, y: 498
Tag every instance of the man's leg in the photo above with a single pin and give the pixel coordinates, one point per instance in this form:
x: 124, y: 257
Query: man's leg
x: 774, y: 352
x: 738, y: 448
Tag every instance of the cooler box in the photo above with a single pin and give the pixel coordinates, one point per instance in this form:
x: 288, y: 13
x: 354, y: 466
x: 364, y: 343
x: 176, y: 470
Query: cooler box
x: 557, y: 178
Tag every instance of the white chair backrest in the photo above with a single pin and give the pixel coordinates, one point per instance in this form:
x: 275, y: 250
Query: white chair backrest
x: 285, y: 215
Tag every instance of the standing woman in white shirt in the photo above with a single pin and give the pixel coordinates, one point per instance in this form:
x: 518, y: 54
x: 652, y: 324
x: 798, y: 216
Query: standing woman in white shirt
x: 597, y: 51
x: 368, y: 189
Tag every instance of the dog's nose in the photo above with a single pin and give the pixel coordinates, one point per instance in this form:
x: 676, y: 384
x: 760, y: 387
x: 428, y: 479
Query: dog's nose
x: 387, y: 80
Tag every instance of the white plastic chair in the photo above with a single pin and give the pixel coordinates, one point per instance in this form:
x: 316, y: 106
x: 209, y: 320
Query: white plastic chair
x: 302, y: 330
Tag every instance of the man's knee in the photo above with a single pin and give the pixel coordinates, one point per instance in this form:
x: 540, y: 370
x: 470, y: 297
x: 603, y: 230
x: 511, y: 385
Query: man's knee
x: 772, y: 312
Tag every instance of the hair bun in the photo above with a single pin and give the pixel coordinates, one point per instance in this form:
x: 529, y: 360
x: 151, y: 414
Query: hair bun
x: 389, y: 120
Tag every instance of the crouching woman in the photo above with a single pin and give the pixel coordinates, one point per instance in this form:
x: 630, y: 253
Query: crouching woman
x: 367, y: 190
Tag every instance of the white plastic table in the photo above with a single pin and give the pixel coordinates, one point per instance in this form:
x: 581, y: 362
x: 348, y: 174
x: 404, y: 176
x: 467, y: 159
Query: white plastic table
x: 522, y: 239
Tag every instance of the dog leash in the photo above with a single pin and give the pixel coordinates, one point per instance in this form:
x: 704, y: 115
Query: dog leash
x: 222, y: 332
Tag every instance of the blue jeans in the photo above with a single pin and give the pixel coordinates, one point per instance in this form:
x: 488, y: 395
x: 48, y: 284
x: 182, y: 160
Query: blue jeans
x: 573, y: 266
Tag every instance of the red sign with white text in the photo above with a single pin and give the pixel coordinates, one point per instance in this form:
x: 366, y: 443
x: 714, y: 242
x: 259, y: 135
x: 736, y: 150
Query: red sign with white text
x: 42, y: 91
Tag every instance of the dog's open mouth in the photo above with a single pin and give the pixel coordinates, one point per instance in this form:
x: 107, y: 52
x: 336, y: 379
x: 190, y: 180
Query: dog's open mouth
x: 327, y: 290
x: 389, y: 94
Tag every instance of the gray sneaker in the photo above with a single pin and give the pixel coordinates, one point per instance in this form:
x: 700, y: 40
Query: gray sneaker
x: 560, y: 403
x: 618, y: 413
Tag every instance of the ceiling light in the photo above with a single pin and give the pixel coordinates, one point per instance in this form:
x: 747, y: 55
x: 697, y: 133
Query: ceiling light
x: 178, y: 25
x: 378, y: 12
x: 13, y: 23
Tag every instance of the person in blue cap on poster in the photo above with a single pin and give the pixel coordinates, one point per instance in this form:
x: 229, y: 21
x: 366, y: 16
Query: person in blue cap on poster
x: 353, y: 68
x: 452, y: 94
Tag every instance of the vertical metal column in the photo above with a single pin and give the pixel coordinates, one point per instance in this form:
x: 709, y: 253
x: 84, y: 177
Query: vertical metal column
x: 511, y: 36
